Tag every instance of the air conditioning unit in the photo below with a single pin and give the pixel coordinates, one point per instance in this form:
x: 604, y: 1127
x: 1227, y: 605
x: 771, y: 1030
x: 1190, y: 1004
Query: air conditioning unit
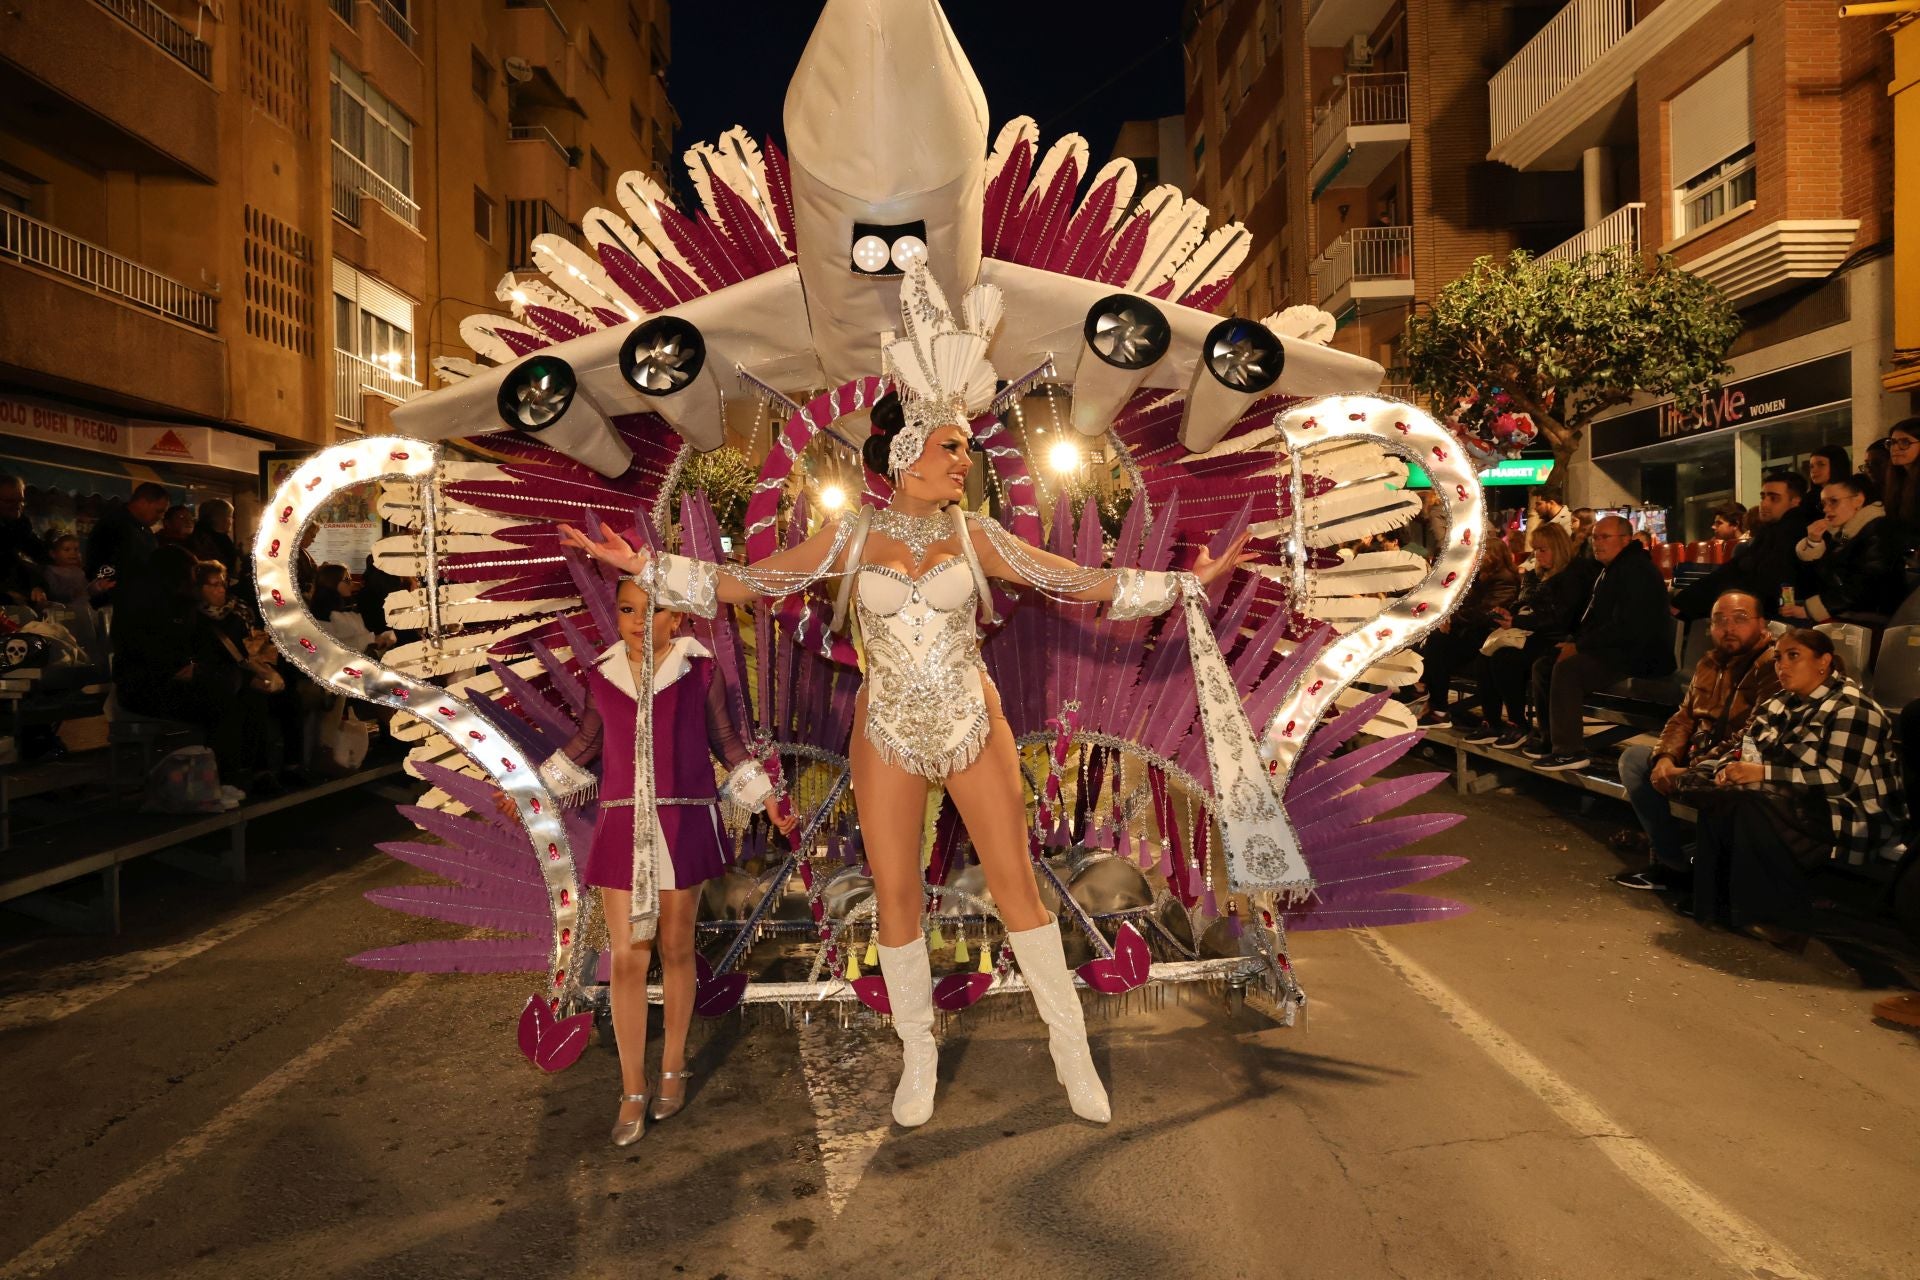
x: 1359, y: 52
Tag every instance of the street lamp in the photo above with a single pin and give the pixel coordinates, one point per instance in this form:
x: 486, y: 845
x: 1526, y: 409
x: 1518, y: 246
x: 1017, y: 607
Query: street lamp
x: 833, y: 497
x: 1064, y: 457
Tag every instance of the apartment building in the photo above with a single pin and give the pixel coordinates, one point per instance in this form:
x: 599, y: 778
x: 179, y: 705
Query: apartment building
x: 1348, y: 136
x: 246, y: 225
x: 1752, y: 140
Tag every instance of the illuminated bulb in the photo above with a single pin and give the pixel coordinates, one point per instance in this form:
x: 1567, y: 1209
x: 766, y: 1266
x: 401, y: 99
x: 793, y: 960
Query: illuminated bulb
x: 391, y: 359
x: 833, y: 497
x: 520, y: 296
x: 870, y: 253
x: 1064, y: 457
x: 909, y: 251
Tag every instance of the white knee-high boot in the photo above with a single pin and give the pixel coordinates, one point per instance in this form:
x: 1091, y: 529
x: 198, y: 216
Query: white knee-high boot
x: 1044, y: 965
x: 909, y: 978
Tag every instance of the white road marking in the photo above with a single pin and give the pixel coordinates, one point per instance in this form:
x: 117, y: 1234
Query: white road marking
x: 1740, y: 1241
x: 60, y: 1245
x: 71, y: 988
x: 852, y: 1099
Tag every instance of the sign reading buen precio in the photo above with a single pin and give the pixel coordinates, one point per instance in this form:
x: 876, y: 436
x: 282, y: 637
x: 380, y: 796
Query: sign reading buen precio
x: 1812, y: 384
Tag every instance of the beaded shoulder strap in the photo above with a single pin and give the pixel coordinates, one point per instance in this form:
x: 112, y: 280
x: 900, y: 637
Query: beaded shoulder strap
x: 855, y: 549
x: 981, y: 585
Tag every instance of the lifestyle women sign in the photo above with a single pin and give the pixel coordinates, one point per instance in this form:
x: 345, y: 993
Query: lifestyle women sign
x: 1812, y: 384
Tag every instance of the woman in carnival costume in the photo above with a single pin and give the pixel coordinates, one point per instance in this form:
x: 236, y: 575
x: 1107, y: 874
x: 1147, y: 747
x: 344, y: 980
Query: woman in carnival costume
x: 689, y: 719
x: 917, y: 576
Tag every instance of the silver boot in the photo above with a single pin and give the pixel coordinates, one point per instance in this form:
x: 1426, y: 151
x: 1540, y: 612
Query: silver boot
x: 1044, y: 965
x: 909, y: 978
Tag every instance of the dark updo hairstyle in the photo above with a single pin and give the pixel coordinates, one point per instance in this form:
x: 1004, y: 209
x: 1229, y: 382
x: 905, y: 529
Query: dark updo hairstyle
x: 1822, y: 645
x: 888, y: 422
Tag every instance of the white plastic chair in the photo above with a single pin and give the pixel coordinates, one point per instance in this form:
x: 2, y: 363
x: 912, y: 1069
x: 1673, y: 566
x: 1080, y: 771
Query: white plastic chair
x: 1854, y: 644
x: 1896, y: 678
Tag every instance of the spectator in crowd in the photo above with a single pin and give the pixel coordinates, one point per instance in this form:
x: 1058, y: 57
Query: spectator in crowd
x: 122, y: 540
x: 1551, y: 508
x: 1763, y: 564
x: 23, y: 557
x: 159, y: 651
x: 1624, y: 631
x: 1878, y: 462
x: 1731, y: 681
x: 1516, y: 541
x: 1457, y: 641
x: 1729, y: 522
x: 212, y: 538
x: 1855, y: 557
x: 1820, y: 783
x: 1824, y: 465
x: 331, y: 591
x: 245, y: 659
x: 1901, y: 489
x: 176, y: 528
x: 1583, y: 518
x: 1552, y: 594
x: 66, y: 577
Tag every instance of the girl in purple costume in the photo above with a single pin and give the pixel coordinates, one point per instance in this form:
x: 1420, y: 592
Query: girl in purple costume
x: 690, y: 719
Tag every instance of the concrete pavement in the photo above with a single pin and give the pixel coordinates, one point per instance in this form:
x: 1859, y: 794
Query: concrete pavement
x: 1567, y: 1082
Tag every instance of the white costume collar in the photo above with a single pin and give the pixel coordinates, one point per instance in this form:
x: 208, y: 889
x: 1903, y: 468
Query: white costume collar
x: 614, y: 666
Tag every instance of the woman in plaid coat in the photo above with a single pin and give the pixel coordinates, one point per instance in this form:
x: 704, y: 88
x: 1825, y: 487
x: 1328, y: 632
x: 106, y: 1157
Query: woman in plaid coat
x: 1818, y: 782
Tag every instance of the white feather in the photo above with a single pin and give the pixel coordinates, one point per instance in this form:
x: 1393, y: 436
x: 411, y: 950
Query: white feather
x: 1178, y: 225
x: 981, y: 309
x: 538, y: 292
x: 1071, y: 147
x: 641, y: 198
x: 1012, y: 134
x: 482, y: 333
x: 1213, y: 260
x: 579, y: 276
x: 1306, y: 323
x: 1123, y: 169
x: 1342, y: 515
x: 452, y: 369
x: 1370, y: 573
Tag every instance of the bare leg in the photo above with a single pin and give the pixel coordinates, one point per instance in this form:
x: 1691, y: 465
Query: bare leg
x: 675, y: 944
x: 892, y: 804
x: 627, y: 993
x: 989, y: 795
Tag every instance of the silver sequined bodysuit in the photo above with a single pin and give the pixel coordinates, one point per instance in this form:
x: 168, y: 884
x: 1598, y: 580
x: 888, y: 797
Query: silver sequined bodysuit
x: 925, y: 681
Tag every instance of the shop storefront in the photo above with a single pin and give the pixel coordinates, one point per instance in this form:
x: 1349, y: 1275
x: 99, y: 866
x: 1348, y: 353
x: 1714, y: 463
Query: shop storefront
x: 77, y: 462
x: 1686, y: 461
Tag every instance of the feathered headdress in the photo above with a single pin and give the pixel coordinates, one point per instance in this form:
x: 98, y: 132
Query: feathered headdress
x: 940, y: 366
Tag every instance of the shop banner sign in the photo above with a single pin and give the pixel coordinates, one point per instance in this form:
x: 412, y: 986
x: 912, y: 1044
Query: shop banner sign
x: 1509, y: 471
x: 58, y: 424
x: 1779, y: 393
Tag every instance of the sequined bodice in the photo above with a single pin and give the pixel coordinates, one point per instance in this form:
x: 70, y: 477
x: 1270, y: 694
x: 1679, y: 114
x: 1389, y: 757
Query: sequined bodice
x: 926, y: 702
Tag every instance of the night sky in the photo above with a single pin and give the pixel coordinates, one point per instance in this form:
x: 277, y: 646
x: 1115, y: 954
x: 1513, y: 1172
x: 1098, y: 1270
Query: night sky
x: 1073, y: 65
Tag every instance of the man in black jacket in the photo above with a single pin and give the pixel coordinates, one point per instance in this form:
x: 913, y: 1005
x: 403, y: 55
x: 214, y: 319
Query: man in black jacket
x: 1763, y: 566
x: 1625, y: 631
x: 123, y: 539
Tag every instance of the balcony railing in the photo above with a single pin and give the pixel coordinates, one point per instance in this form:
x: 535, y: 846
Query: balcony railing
x: 164, y: 30
x: 1617, y: 233
x: 1364, y: 254
x: 353, y: 179
x: 1577, y: 37
x: 396, y: 20
x: 527, y: 219
x: 539, y: 133
x: 27, y: 240
x: 354, y: 379
x: 1368, y: 97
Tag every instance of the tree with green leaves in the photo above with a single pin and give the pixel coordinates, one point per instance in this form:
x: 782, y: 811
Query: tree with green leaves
x: 726, y: 477
x: 1528, y: 345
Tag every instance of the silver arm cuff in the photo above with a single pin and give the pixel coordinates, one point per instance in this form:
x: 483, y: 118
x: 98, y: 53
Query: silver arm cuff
x: 571, y: 785
x: 1142, y: 593
x: 682, y: 584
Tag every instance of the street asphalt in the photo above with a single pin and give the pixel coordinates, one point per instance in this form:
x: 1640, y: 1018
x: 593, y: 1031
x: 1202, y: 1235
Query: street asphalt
x: 1567, y: 1082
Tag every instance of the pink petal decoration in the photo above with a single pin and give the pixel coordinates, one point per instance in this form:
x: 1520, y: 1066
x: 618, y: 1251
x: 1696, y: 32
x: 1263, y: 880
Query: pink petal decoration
x: 959, y: 991
x: 1126, y: 970
x: 551, y: 1045
x: 872, y: 991
x: 715, y: 997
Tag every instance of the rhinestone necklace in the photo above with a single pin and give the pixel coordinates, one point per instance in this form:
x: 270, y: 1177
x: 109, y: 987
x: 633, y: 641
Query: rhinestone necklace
x: 919, y: 533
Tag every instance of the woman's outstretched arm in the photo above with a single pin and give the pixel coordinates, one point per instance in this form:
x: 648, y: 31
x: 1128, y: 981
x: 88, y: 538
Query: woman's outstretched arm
x: 782, y: 573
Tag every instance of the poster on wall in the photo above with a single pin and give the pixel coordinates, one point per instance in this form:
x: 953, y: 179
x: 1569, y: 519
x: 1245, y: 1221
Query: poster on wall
x: 344, y: 530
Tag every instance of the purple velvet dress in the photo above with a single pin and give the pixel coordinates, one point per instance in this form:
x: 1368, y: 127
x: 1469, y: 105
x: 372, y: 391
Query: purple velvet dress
x: 689, y: 720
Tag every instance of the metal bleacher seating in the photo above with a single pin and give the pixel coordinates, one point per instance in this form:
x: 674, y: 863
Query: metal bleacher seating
x: 1896, y: 676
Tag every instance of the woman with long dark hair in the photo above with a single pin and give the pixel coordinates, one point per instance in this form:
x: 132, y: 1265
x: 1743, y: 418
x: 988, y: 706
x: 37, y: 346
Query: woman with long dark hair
x: 1457, y: 641
x: 1552, y: 594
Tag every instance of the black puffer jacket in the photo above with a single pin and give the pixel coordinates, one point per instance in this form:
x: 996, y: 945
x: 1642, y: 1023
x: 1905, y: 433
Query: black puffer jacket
x: 1627, y: 625
x: 1859, y: 569
x: 1549, y: 607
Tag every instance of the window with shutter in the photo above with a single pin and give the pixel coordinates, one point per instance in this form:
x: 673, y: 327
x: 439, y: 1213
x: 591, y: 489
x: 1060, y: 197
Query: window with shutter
x: 1710, y: 145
